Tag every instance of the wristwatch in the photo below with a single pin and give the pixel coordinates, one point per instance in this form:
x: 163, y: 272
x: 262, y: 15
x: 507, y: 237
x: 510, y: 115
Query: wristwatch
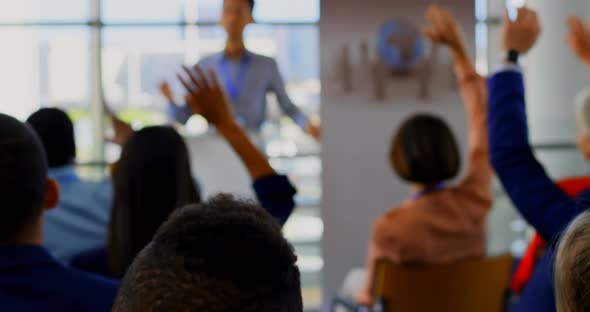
x: 512, y: 57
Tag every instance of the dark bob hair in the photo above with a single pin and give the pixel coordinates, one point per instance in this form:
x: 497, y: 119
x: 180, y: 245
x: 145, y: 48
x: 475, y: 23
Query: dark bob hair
x: 425, y: 151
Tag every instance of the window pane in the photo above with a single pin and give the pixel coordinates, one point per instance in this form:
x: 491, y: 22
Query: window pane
x: 135, y: 61
x: 48, y: 67
x: 287, y: 11
x: 14, y: 11
x: 267, y: 11
x: 129, y: 11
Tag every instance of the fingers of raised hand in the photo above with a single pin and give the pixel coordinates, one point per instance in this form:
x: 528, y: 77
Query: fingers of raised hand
x: 194, y: 78
x: 201, y: 77
x: 187, y: 84
x: 577, y: 27
x: 527, y: 17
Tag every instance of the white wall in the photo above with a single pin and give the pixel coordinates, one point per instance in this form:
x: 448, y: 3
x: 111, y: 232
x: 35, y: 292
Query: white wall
x: 554, y: 74
x: 218, y: 168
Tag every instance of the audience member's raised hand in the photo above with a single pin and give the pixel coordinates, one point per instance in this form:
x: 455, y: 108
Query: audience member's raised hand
x: 122, y: 129
x: 579, y: 38
x: 166, y: 91
x: 444, y: 29
x: 206, y: 97
x: 522, y: 34
x: 314, y: 129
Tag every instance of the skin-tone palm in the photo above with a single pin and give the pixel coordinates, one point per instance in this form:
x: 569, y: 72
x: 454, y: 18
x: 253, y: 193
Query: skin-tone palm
x: 444, y: 29
x: 522, y: 34
x: 209, y: 100
x: 579, y: 38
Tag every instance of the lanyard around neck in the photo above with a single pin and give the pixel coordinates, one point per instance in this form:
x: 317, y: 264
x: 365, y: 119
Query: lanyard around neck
x: 234, y: 87
x: 435, y: 188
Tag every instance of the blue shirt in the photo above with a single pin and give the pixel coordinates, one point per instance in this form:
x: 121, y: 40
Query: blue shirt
x: 80, y: 220
x: 539, y: 200
x: 262, y: 76
x: 32, y: 280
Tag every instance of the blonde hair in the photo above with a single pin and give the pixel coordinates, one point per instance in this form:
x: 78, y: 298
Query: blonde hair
x: 583, y: 111
x: 572, y: 267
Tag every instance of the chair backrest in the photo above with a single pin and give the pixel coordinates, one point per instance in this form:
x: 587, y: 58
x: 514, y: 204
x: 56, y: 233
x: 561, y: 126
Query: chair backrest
x: 466, y: 286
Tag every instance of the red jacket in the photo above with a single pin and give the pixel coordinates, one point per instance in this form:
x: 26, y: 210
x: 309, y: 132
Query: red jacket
x: 572, y: 187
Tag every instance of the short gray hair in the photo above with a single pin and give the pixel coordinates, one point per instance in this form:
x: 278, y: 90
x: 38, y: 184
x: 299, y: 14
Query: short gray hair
x: 572, y: 267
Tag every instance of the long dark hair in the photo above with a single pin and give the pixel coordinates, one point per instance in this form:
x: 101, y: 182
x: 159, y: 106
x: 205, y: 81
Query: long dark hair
x: 151, y: 180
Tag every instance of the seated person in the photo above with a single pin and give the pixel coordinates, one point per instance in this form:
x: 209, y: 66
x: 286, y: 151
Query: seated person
x: 572, y: 267
x: 439, y: 223
x: 223, y: 255
x: 79, y: 222
x: 572, y: 186
x: 30, y: 278
x: 538, y: 199
x: 153, y: 178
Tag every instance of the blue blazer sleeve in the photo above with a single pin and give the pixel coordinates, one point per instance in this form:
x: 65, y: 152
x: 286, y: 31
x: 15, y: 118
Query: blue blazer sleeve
x: 534, y: 194
x: 288, y: 107
x: 277, y: 195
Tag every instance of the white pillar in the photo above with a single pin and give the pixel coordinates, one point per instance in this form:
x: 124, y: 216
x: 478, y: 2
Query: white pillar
x: 95, y: 95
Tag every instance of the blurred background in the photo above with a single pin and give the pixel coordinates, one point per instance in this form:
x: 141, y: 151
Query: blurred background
x: 72, y: 53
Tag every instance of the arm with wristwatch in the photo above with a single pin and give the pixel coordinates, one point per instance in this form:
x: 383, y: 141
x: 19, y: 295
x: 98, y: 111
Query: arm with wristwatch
x: 539, y: 200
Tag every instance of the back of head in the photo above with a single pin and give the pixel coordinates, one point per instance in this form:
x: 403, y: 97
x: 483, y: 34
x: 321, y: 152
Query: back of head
x: 152, y: 179
x: 224, y: 255
x: 56, y: 131
x: 572, y: 267
x: 425, y: 151
x: 23, y: 177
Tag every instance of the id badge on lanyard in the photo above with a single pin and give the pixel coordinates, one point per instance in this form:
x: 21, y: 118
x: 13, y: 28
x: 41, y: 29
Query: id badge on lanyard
x: 438, y: 187
x: 234, y: 87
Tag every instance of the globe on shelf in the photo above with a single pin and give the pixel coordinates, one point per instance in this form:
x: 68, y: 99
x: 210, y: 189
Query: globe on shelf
x: 399, y: 45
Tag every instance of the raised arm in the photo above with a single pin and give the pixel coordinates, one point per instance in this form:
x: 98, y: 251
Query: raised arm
x: 275, y: 192
x: 444, y: 29
x: 122, y: 129
x: 579, y: 39
x: 288, y: 107
x: 535, y: 195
